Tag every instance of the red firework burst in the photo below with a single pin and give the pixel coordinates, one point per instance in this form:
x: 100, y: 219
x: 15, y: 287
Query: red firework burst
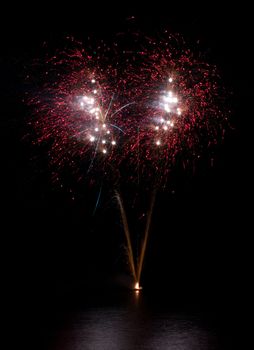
x: 79, y: 111
x: 179, y: 105
x: 101, y: 110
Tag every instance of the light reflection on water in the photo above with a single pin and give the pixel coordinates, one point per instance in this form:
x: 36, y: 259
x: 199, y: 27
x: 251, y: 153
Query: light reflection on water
x: 133, y: 326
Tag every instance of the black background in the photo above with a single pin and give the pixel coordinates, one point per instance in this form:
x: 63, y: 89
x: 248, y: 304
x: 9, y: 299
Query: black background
x: 200, y: 239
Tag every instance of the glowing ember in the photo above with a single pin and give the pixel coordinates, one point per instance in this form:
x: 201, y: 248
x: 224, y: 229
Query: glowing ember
x: 137, y: 287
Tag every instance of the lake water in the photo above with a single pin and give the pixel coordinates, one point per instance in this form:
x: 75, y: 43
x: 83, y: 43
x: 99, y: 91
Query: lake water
x: 133, y: 321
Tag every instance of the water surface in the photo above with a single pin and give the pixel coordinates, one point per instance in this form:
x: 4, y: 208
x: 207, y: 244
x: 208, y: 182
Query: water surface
x: 132, y: 321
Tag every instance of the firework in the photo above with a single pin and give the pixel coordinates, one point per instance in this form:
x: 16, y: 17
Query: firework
x: 180, y: 107
x: 79, y: 114
x: 179, y: 112
x: 133, y: 112
x: 160, y: 102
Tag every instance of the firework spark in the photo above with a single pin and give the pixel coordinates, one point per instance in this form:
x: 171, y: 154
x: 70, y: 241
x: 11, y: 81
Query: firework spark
x: 168, y: 116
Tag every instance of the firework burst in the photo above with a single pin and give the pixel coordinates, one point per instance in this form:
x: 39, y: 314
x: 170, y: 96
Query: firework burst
x: 152, y: 104
x: 179, y: 106
x: 78, y: 113
x: 141, y: 107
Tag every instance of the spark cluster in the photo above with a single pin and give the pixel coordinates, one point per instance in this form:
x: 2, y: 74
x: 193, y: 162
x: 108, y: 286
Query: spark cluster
x: 169, y: 104
x: 99, y: 133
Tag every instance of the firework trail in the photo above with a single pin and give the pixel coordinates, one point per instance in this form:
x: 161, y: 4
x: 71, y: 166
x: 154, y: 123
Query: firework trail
x: 127, y: 236
x: 144, y: 243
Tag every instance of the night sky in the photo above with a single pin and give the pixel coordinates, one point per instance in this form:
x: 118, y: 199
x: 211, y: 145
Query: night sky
x: 200, y: 234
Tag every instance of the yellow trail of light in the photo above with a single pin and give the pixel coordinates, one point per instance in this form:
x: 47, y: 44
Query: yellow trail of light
x: 127, y: 235
x: 144, y: 244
